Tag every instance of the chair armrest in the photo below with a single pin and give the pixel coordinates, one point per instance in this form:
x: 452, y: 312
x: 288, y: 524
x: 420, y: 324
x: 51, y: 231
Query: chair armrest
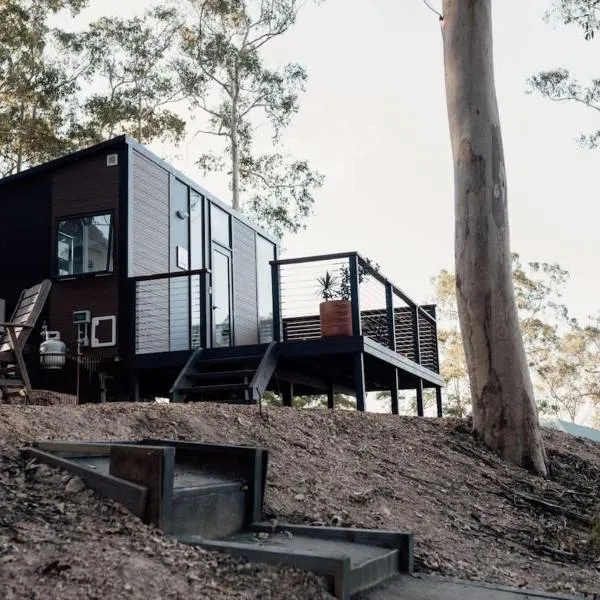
x: 15, y: 325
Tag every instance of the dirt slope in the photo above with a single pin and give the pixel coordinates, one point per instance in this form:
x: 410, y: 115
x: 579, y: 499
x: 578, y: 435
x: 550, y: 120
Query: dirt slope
x: 472, y: 515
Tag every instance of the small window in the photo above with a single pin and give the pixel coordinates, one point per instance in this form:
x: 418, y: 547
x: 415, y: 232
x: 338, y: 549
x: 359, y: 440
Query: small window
x: 219, y: 224
x: 85, y: 245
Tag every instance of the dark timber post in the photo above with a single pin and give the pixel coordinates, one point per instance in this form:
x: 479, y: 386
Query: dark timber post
x: 287, y: 394
x: 276, y: 285
x: 438, y: 401
x: 330, y: 396
x: 417, y: 358
x: 394, y: 391
x: 359, y: 381
x: 420, y: 410
x: 354, y: 295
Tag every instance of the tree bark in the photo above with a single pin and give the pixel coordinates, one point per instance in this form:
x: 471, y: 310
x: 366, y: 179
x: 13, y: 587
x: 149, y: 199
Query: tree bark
x: 235, y: 146
x: 504, y: 410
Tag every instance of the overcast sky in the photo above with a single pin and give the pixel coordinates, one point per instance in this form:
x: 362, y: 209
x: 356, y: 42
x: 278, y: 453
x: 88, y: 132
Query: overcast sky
x: 373, y: 120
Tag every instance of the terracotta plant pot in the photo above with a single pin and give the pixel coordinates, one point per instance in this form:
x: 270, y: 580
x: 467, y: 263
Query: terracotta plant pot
x: 336, y: 318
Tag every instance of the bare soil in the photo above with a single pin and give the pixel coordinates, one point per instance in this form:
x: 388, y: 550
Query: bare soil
x: 473, y: 516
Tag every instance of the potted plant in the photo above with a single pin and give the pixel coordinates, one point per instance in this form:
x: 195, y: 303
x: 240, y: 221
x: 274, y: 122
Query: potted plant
x: 336, y: 309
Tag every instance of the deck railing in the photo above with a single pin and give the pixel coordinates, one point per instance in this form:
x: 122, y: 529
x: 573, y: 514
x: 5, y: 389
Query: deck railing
x: 170, y: 311
x: 380, y: 310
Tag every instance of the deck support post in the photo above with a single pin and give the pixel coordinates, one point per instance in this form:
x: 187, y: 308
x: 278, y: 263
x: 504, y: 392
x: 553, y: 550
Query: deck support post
x: 394, y: 391
x: 134, y: 386
x: 420, y: 410
x: 438, y: 401
x: 330, y: 396
x: 359, y: 381
x: 287, y: 393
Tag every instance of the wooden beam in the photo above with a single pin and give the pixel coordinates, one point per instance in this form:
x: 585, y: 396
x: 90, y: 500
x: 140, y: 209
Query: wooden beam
x: 130, y: 495
x: 145, y: 466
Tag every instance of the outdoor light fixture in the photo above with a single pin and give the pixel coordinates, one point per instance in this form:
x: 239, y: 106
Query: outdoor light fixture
x: 182, y: 214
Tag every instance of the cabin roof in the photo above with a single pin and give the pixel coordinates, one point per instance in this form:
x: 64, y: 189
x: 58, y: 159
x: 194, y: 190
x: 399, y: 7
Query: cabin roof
x: 133, y: 145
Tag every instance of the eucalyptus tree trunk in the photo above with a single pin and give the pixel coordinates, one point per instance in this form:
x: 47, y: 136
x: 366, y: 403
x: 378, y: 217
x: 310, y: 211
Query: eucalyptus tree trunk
x: 504, y: 410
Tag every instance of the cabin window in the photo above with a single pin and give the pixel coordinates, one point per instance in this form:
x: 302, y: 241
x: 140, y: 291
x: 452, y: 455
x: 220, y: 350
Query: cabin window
x: 219, y: 225
x: 84, y: 245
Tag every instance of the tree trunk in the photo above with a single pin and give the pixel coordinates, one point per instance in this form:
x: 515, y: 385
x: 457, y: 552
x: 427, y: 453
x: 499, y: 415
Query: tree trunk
x: 504, y: 410
x: 235, y: 161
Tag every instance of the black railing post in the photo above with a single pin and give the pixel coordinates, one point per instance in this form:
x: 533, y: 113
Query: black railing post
x: 276, y: 288
x: 204, y: 316
x: 391, y: 315
x: 354, y: 295
x: 416, y: 335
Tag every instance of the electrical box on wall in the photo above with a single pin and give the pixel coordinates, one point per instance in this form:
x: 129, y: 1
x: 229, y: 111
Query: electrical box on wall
x: 104, y: 331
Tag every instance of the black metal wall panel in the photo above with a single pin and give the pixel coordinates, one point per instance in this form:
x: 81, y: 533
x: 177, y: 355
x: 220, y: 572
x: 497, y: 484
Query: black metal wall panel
x: 25, y: 236
x: 245, y: 304
x: 149, y: 212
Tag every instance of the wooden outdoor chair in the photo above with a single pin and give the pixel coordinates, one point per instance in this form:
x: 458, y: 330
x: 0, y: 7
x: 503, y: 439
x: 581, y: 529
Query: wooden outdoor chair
x: 14, y: 378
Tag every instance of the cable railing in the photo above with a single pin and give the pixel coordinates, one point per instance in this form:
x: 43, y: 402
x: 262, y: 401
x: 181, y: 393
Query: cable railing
x: 170, y: 311
x: 367, y: 304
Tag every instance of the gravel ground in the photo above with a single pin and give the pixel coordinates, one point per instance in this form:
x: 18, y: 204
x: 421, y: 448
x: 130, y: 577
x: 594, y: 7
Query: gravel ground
x: 473, y: 516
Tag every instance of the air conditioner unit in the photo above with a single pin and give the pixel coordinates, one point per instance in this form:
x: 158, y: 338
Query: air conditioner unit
x: 112, y: 160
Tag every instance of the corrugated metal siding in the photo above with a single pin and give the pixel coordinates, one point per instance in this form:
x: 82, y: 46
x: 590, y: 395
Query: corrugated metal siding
x: 150, y: 215
x: 245, y: 307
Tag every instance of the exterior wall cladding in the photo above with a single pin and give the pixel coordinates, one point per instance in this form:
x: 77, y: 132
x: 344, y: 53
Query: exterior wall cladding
x: 152, y: 243
x: 84, y: 187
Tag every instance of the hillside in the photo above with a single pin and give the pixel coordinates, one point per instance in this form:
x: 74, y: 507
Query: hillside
x: 472, y: 515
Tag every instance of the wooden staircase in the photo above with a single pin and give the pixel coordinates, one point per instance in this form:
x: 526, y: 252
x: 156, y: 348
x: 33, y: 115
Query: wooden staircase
x: 238, y: 375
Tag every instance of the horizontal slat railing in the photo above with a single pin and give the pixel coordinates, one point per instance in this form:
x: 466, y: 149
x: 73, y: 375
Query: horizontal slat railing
x: 386, y: 314
x: 170, y: 311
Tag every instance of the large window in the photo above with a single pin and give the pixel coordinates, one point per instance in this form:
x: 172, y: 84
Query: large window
x: 220, y: 226
x: 85, y: 245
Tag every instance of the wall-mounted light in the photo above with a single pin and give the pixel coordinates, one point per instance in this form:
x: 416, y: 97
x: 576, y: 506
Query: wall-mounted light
x: 182, y: 214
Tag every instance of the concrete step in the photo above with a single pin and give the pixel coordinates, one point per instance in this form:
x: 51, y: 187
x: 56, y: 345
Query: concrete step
x: 352, y: 560
x: 431, y: 587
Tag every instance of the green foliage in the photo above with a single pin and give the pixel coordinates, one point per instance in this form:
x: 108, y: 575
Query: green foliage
x: 341, y: 401
x: 133, y: 63
x: 225, y: 76
x: 584, y: 14
x: 558, y: 84
x: 562, y: 354
x: 38, y: 81
x: 332, y: 287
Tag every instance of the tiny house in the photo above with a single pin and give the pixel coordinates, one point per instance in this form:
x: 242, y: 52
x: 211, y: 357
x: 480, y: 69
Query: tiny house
x: 160, y: 289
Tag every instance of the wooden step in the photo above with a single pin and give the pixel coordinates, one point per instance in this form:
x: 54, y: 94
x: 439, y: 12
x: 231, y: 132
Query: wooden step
x: 221, y: 374
x: 226, y: 387
x: 227, y: 360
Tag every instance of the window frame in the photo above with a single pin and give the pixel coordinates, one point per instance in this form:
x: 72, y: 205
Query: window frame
x: 111, y: 245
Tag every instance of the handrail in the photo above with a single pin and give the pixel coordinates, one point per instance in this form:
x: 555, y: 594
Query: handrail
x: 170, y: 275
x: 385, y: 281
x: 363, y: 261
